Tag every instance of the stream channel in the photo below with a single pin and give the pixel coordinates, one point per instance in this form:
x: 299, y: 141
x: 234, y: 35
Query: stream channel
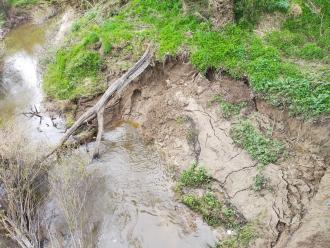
x: 134, y: 204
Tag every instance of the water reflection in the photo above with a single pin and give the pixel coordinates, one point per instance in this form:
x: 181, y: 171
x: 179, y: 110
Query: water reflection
x: 21, y: 82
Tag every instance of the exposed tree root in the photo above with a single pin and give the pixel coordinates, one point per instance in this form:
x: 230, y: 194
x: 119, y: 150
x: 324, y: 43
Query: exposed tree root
x: 98, y: 109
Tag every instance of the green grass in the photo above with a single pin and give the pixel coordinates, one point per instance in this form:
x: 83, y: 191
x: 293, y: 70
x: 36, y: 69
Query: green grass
x: 73, y: 73
x: 228, y: 109
x: 241, y: 239
x: 305, y: 36
x: 260, y: 147
x: 213, y: 212
x: 249, y: 12
x: 233, y: 48
x: 21, y: 3
x: 195, y: 176
x: 259, y: 182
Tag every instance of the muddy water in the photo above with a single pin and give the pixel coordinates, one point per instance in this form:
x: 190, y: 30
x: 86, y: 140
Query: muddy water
x: 20, y: 83
x: 134, y: 204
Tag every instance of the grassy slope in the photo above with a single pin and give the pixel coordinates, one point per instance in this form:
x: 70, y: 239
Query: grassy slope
x: 234, y: 48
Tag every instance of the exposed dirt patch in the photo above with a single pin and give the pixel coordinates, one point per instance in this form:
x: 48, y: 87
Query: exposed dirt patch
x: 269, y: 22
x: 171, y: 102
x: 222, y: 12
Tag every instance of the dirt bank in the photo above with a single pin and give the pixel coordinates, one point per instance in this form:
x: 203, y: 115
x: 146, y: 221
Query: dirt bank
x: 171, y: 102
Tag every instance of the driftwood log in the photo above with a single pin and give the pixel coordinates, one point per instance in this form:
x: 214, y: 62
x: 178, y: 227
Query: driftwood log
x: 97, y: 110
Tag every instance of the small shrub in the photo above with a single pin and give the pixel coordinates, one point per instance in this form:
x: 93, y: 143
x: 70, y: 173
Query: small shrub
x: 259, y: 146
x: 23, y: 180
x: 70, y: 185
x: 2, y: 20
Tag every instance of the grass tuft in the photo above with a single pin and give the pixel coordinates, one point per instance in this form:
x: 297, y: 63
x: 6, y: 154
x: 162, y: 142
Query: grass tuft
x: 260, y: 147
x: 195, y: 176
x: 213, y: 212
x: 228, y: 109
x: 242, y: 238
x: 259, y: 182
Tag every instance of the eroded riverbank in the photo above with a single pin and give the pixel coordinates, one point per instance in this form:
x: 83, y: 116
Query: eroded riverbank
x: 278, y: 186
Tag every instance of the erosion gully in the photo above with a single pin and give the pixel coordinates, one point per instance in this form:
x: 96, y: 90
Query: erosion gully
x: 135, y: 205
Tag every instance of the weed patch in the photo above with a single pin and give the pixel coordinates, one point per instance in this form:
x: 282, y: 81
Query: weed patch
x: 259, y: 182
x: 260, y: 147
x: 214, y: 213
x: 228, y: 109
x: 242, y: 238
x: 195, y: 176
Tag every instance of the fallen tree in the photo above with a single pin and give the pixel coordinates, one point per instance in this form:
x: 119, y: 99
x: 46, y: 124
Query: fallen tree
x: 97, y: 110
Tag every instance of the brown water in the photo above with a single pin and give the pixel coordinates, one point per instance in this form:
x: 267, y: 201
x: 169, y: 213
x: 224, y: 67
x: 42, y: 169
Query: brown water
x: 133, y: 203
x: 20, y: 83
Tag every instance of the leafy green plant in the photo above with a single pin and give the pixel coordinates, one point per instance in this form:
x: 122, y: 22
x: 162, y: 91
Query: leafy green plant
x: 259, y: 182
x: 214, y: 213
x: 312, y: 51
x: 259, y: 146
x: 195, y: 176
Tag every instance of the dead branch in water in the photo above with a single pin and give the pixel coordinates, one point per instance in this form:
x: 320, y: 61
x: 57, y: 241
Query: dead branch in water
x: 98, y: 109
